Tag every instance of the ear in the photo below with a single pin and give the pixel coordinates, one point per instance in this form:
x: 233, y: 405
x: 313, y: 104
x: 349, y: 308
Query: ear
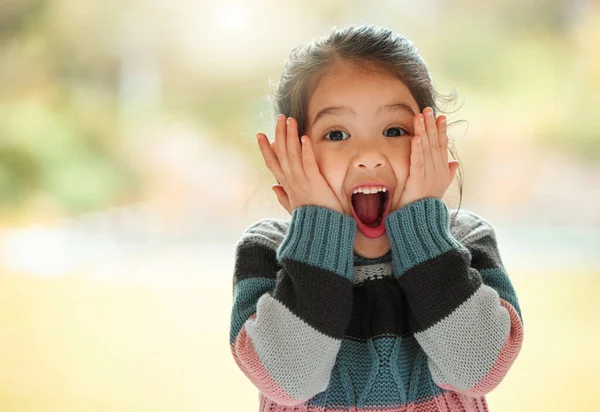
x: 452, y: 167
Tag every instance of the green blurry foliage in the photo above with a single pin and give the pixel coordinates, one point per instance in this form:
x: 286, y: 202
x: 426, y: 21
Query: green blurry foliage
x: 19, y: 174
x: 47, y: 152
x: 59, y: 134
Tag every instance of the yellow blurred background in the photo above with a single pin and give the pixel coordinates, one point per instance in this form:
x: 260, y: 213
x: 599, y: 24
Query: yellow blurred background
x: 129, y: 168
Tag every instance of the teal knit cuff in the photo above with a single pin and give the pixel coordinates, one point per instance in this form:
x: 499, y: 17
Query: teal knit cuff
x: 419, y: 231
x: 320, y: 237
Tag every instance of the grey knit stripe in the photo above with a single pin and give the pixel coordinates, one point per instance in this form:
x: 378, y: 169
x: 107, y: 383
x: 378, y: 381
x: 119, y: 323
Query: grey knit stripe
x: 465, y: 345
x: 298, y: 358
x: 268, y: 232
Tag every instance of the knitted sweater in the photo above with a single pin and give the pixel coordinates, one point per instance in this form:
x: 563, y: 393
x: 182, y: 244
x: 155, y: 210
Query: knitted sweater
x: 433, y: 325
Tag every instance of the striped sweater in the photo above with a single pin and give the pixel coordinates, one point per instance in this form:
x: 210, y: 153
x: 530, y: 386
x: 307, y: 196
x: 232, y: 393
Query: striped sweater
x: 433, y: 325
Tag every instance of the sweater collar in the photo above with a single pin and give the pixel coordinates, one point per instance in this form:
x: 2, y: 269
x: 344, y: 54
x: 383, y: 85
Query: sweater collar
x: 360, y: 260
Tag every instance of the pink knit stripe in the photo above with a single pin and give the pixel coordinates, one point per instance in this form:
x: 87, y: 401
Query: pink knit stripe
x: 446, y: 402
x: 248, y: 361
x: 506, y: 357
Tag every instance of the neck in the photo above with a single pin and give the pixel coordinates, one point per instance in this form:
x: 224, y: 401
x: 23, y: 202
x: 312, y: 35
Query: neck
x: 371, y: 248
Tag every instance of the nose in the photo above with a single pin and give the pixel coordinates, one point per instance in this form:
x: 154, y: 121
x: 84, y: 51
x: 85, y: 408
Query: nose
x: 369, y: 158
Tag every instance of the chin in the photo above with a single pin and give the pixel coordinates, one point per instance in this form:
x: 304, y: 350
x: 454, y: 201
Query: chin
x: 369, y: 239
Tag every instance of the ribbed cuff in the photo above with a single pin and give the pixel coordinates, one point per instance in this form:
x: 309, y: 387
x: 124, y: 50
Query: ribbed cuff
x: 320, y: 237
x: 419, y: 231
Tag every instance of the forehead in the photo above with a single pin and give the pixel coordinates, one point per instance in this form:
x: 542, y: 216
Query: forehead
x: 349, y: 86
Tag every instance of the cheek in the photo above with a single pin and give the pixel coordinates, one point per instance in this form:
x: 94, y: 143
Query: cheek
x: 331, y: 167
x: 401, y: 164
x: 401, y: 155
x: 327, y: 165
x: 321, y: 160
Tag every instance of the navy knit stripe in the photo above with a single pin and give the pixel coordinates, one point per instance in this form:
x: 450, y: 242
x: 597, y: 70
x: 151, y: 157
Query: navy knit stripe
x: 484, y: 254
x: 439, y: 285
x: 254, y: 260
x: 321, y: 298
x: 389, y: 313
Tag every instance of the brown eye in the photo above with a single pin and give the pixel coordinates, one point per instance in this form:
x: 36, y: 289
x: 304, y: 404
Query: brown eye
x: 397, y: 133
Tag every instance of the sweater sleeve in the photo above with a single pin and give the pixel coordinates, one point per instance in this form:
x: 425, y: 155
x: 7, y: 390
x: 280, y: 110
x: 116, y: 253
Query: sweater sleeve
x: 464, y: 309
x: 292, y: 301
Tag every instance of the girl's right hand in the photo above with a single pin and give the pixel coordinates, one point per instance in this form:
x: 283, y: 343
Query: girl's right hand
x: 295, y: 168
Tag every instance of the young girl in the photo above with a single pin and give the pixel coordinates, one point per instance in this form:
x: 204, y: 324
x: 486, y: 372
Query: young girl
x: 374, y: 295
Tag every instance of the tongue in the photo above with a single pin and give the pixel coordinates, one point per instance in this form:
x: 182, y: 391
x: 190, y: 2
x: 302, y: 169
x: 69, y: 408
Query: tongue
x: 367, y: 207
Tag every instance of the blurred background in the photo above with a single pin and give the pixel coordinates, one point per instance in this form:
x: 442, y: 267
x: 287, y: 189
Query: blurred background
x: 129, y: 168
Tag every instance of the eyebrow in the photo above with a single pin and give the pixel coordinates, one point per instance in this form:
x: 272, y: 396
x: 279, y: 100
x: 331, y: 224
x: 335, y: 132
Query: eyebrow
x: 396, y: 107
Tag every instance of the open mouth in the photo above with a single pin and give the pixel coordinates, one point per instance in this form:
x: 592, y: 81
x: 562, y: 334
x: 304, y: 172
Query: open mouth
x: 370, y: 211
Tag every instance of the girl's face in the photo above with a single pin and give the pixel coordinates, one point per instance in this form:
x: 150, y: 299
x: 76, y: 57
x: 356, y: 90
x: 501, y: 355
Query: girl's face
x: 366, y: 140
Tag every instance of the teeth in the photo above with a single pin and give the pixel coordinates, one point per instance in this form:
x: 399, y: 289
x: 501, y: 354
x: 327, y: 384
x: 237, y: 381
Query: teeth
x: 369, y: 189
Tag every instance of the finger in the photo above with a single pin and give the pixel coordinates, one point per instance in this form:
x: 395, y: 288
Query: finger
x: 426, y: 140
x: 443, y: 139
x: 452, y: 167
x: 308, y: 158
x: 434, y: 142
x: 417, y: 168
x: 270, y: 157
x: 421, y: 141
x: 282, y: 197
x: 280, y: 142
x: 294, y: 151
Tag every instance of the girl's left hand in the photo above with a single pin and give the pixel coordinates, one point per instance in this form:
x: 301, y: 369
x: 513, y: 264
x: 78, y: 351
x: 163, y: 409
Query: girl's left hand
x: 430, y: 172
